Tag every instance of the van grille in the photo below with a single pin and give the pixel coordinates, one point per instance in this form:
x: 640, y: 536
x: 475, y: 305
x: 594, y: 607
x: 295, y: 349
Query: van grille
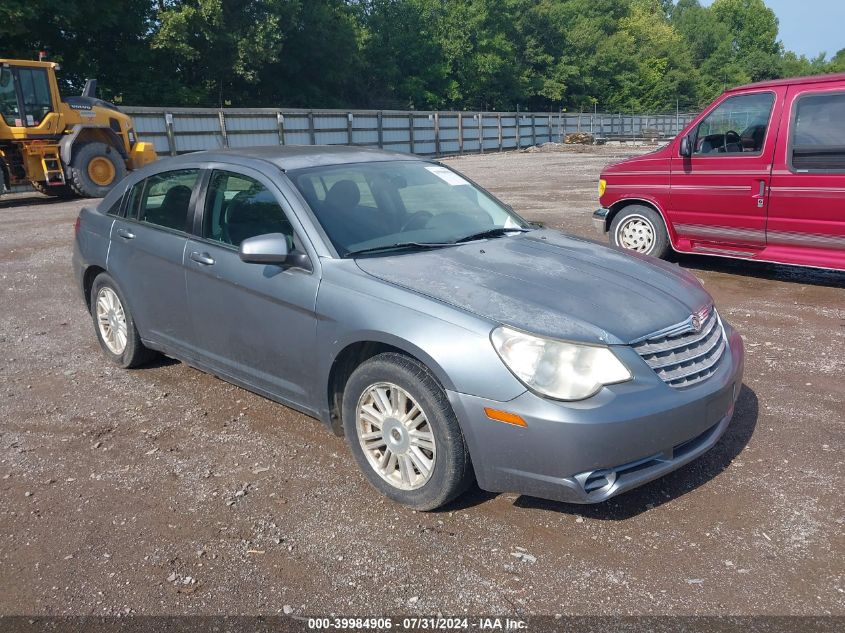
x: 689, y: 356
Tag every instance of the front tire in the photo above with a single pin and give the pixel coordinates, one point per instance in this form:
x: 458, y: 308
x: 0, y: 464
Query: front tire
x: 641, y: 229
x: 94, y: 169
x: 403, y: 432
x: 115, y: 326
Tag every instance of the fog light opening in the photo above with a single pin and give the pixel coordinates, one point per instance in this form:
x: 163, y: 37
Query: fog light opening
x: 599, y: 480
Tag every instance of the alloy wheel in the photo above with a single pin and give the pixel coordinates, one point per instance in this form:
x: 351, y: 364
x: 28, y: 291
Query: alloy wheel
x: 396, y: 436
x: 111, y: 319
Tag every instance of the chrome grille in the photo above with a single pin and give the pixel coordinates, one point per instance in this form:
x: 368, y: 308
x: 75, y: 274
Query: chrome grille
x: 684, y: 356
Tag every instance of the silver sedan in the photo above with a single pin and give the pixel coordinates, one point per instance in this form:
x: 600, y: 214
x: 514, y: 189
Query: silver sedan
x: 407, y: 308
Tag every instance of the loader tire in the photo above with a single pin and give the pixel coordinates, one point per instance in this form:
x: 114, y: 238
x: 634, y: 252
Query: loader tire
x: 94, y: 169
x: 56, y: 191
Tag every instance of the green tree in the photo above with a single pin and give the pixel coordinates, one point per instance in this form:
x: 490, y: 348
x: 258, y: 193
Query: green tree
x: 96, y: 38
x: 405, y: 64
x: 753, y: 31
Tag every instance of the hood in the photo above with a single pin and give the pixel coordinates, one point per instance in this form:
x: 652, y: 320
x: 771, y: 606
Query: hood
x: 550, y: 284
x: 655, y: 160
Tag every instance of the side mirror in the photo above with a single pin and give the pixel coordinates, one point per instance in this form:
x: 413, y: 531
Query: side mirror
x: 686, y: 146
x: 272, y: 248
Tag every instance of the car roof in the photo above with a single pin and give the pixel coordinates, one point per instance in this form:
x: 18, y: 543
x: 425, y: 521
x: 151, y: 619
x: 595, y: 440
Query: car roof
x: 290, y: 157
x: 791, y: 81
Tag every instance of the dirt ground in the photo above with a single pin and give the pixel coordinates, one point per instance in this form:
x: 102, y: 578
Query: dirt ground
x: 167, y: 491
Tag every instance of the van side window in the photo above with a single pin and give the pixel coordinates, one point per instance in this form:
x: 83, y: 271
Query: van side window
x: 818, y: 133
x: 737, y: 125
x: 164, y: 199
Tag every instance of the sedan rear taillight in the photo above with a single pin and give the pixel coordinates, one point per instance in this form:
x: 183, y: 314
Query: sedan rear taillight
x: 76, y: 225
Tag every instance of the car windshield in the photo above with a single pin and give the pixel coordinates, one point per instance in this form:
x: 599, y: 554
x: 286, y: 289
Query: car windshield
x: 384, y: 206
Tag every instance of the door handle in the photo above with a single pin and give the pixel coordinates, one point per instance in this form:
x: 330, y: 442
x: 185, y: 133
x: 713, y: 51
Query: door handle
x: 761, y: 195
x: 126, y: 234
x: 202, y: 258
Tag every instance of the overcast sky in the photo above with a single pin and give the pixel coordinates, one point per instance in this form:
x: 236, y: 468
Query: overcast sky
x: 809, y: 27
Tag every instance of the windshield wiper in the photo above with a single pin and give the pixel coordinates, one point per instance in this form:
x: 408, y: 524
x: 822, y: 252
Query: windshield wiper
x: 397, y: 245
x: 497, y: 232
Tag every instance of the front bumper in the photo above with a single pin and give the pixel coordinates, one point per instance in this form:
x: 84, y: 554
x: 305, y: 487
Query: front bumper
x: 621, y: 438
x: 600, y: 220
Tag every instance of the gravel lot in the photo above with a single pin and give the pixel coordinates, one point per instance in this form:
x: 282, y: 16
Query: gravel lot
x: 166, y: 491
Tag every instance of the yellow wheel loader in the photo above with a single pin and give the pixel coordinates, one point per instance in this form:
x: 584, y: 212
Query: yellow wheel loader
x: 76, y: 146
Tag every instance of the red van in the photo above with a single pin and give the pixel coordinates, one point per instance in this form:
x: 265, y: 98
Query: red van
x: 760, y: 174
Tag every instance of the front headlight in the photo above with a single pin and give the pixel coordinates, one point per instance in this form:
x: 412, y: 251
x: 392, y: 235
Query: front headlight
x: 559, y: 370
x: 602, y: 187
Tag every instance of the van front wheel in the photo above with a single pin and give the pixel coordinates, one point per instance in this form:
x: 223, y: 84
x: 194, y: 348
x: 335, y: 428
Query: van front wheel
x: 641, y: 229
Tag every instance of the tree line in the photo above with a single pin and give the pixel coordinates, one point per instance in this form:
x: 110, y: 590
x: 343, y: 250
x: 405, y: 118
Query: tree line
x: 541, y: 55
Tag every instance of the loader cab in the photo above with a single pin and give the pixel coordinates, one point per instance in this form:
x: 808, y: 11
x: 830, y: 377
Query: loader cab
x: 28, y: 93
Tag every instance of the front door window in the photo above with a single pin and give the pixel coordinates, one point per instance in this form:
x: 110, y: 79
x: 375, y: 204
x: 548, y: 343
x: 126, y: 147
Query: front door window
x: 737, y: 126
x: 239, y: 207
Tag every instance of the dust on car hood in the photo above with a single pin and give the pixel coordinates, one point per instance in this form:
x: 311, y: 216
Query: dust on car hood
x: 550, y: 284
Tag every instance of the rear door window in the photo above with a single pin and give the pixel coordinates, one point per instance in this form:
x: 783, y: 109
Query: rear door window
x: 818, y: 133
x: 164, y: 199
x: 738, y: 125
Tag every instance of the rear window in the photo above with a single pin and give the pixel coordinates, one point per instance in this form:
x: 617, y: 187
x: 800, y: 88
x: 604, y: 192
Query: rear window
x: 818, y: 133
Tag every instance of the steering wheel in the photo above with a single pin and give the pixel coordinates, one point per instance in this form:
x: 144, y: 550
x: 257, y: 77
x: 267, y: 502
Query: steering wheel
x: 417, y: 220
x: 735, y: 135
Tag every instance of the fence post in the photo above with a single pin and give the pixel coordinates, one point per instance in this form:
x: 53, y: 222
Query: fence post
x: 411, y: 131
x: 312, y: 137
x: 280, y: 121
x: 550, y: 128
x: 533, y: 129
x: 480, y: 133
x: 499, y: 129
x: 437, y: 134
x: 379, y: 117
x: 518, y: 135
x: 460, y: 133
x: 225, y: 134
x: 349, y: 117
x: 168, y: 126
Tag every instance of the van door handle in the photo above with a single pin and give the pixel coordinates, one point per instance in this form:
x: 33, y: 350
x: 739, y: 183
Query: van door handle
x: 126, y: 234
x: 202, y: 258
x: 762, y: 188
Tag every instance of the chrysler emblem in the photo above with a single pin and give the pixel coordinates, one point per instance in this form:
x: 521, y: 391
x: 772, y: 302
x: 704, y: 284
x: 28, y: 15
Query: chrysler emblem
x: 696, y: 323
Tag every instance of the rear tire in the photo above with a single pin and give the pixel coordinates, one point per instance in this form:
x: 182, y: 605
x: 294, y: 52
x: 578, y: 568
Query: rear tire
x: 94, y: 169
x: 115, y: 326
x: 640, y: 229
x: 416, y: 455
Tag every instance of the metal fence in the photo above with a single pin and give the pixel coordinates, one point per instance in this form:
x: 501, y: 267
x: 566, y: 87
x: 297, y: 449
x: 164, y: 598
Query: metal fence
x: 180, y: 130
